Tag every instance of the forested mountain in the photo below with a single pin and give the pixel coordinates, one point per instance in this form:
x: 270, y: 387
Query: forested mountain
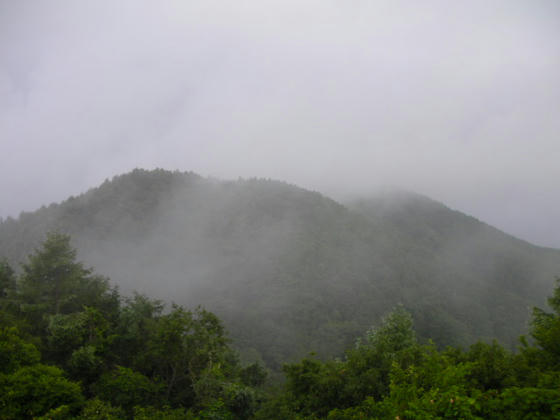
x: 72, y: 348
x: 292, y: 271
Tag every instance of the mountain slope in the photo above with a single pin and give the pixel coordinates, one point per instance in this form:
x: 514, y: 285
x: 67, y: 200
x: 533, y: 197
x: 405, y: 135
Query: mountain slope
x: 292, y: 271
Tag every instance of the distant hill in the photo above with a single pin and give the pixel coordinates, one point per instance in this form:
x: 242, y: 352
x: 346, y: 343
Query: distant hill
x: 292, y: 271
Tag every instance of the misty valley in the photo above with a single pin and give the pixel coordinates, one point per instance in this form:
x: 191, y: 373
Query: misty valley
x: 167, y: 295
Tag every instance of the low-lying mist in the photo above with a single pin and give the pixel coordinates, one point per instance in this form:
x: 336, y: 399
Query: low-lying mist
x: 292, y: 271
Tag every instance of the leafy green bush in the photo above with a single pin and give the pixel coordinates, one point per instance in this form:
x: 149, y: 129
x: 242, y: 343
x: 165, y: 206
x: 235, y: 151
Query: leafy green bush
x: 32, y: 391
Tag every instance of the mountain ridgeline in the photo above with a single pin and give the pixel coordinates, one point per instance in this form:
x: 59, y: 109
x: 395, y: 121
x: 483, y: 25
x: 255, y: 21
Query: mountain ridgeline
x: 291, y: 271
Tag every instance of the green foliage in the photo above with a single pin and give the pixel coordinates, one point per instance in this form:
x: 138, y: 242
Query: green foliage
x: 62, y: 412
x: 130, y: 360
x: 8, y: 301
x: 217, y: 410
x: 125, y: 388
x: 239, y: 399
x: 51, y: 276
x: 54, y: 283
x: 368, y: 409
x: 15, y: 352
x: 369, y: 364
x: 522, y: 403
x: 135, y: 330
x: 166, y: 413
x: 492, y: 367
x: 253, y: 375
x: 32, y: 391
x: 314, y: 388
x: 316, y: 273
x: 545, y: 329
x: 137, y: 360
x: 391, y: 376
x: 85, y: 364
x: 7, y: 280
x: 395, y: 334
x: 186, y: 348
x: 67, y: 332
x: 96, y: 409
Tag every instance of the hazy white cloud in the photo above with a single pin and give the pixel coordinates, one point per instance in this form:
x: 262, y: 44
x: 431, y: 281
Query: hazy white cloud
x: 457, y: 100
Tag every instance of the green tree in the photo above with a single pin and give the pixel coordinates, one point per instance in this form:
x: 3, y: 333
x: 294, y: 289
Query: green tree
x: 370, y: 362
x: 7, y: 280
x: 492, y: 367
x: 51, y: 275
x: 96, y: 409
x: 166, y: 413
x: 53, y: 283
x: 186, y: 346
x: 394, y: 334
x: 15, y: 352
x: 135, y: 331
x: 125, y: 388
x: 8, y: 306
x: 545, y: 329
x: 32, y: 391
x: 314, y: 388
x: 253, y: 375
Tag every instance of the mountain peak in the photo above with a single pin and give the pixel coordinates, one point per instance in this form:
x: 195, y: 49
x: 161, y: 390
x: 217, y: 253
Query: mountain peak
x: 283, y: 265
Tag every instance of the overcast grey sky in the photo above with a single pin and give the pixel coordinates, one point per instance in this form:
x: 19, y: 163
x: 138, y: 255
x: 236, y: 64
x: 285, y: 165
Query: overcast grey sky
x: 456, y: 100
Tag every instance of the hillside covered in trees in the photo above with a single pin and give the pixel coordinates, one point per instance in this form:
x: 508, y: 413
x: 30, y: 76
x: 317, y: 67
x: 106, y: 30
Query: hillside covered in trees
x: 291, y: 271
x: 389, y: 375
x: 72, y: 348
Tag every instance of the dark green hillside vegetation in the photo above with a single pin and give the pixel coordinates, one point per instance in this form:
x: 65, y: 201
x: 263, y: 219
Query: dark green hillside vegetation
x: 390, y: 375
x: 473, y: 277
x: 70, y: 347
x: 292, y: 271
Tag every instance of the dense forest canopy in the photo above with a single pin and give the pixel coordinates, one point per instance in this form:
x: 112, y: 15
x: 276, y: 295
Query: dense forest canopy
x: 70, y: 345
x: 72, y: 348
x: 291, y: 271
